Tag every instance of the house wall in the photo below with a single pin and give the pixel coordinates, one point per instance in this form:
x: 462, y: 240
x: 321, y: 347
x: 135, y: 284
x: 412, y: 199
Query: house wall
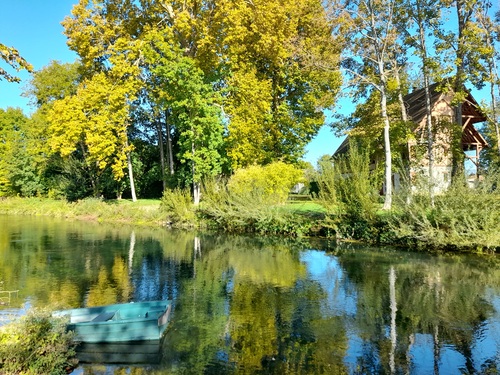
x: 442, y: 116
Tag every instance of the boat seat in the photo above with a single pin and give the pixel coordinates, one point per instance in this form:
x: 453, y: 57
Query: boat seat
x: 104, y: 316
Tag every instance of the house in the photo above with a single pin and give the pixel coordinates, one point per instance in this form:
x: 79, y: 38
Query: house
x: 472, y: 141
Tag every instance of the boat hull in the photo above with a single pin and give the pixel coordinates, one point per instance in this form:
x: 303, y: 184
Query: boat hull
x: 119, y: 323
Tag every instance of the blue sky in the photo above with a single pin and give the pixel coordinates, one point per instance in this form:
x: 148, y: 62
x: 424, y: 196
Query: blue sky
x: 34, y: 28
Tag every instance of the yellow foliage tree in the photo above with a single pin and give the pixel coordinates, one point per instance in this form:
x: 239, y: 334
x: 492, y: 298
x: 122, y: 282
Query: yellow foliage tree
x: 94, y: 122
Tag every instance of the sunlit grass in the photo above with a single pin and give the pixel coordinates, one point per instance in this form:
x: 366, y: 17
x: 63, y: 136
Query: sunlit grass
x: 305, y: 207
x: 143, y: 212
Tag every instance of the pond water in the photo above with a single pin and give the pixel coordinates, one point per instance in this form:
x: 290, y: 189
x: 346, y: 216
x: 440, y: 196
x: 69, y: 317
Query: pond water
x: 252, y: 305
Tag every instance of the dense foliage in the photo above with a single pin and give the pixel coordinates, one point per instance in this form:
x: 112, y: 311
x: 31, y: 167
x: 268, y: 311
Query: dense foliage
x: 177, y: 92
x: 36, y: 344
x: 462, y: 218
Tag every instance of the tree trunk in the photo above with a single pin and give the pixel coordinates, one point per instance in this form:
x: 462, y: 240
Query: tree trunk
x: 162, y: 154
x: 196, y: 184
x: 404, y: 115
x: 428, y: 107
x: 94, y: 179
x: 131, y: 176
x: 492, y: 71
x: 494, y: 103
x: 463, y: 15
x: 457, y: 152
x: 388, y: 154
x: 430, y: 137
x: 495, y: 116
x: 169, y: 145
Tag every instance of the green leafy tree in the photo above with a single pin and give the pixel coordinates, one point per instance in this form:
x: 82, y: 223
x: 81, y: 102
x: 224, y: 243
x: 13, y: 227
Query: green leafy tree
x: 194, y: 111
x: 19, y: 166
x: 95, y: 121
x: 104, y: 34
x: 490, y: 31
x: 460, y: 55
x: 53, y: 82
x: 47, y: 85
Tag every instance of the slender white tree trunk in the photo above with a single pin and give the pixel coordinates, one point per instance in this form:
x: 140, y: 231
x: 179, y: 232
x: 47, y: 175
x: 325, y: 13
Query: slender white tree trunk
x: 131, y: 175
x: 404, y: 115
x: 494, y: 105
x: 430, y: 139
x: 428, y: 110
x: 196, y: 184
x: 170, y: 153
x: 492, y: 70
x: 387, y: 148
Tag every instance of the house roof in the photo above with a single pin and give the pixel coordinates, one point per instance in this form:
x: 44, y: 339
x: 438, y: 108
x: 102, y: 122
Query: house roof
x: 343, y: 148
x: 471, y: 114
x: 415, y: 105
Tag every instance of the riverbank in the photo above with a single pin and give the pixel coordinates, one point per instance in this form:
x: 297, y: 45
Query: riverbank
x: 456, y: 223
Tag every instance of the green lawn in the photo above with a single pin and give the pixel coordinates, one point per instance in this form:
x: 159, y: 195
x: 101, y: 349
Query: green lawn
x: 305, y: 207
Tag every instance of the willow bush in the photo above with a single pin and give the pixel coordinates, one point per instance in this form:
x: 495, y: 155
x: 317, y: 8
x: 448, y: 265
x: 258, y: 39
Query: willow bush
x: 462, y: 218
x: 177, y: 206
x: 36, y: 344
x: 248, y: 210
x: 348, y: 189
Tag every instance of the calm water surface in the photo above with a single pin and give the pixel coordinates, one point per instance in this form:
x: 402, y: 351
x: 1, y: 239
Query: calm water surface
x: 250, y: 305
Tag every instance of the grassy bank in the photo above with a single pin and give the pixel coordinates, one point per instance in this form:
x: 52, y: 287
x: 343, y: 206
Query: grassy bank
x: 142, y: 212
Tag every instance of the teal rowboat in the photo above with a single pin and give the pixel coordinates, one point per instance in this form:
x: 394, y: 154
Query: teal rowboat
x: 124, y: 322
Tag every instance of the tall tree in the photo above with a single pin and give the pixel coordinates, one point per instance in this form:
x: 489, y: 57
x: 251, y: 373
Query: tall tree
x: 276, y: 97
x: 373, y: 36
x: 15, y: 163
x: 95, y: 121
x: 199, y: 125
x: 418, y: 19
x: 193, y: 108
x: 457, y: 47
x: 490, y: 31
x: 104, y: 34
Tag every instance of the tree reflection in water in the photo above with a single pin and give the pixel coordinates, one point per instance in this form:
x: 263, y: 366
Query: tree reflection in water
x: 263, y: 306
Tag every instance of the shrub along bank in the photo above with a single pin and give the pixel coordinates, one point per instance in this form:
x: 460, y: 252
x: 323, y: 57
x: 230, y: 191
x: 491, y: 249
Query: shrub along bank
x: 36, y: 344
x: 462, y: 218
